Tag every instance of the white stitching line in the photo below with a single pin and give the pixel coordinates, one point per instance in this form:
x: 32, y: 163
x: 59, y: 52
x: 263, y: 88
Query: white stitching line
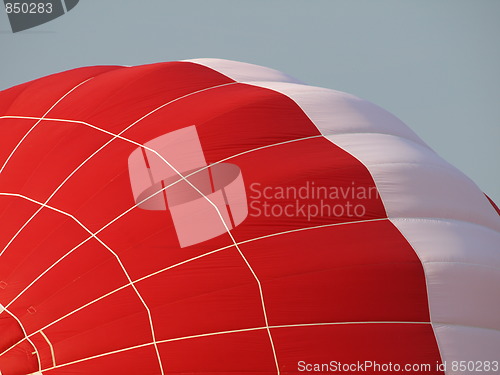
x: 188, y: 261
x: 229, y: 332
x: 39, y: 120
x: 52, y: 353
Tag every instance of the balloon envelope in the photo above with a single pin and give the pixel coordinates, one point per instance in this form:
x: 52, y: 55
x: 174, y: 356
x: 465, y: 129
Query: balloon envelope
x: 211, y: 216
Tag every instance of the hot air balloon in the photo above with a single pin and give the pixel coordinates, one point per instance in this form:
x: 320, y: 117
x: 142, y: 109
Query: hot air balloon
x: 217, y: 217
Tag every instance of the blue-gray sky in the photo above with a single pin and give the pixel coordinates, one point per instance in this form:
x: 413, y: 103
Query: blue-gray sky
x: 433, y: 63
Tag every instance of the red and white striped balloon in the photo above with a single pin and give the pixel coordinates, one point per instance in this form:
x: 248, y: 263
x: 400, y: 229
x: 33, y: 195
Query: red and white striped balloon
x: 216, y: 217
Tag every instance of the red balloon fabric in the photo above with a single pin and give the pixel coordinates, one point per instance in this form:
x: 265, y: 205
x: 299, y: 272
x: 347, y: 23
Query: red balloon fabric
x: 215, y: 217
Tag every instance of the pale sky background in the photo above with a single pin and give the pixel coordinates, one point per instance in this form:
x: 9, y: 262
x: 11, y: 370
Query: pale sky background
x: 433, y: 63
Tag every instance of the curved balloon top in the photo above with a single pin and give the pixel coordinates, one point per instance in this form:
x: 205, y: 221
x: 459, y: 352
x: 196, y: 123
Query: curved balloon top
x: 210, y: 216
